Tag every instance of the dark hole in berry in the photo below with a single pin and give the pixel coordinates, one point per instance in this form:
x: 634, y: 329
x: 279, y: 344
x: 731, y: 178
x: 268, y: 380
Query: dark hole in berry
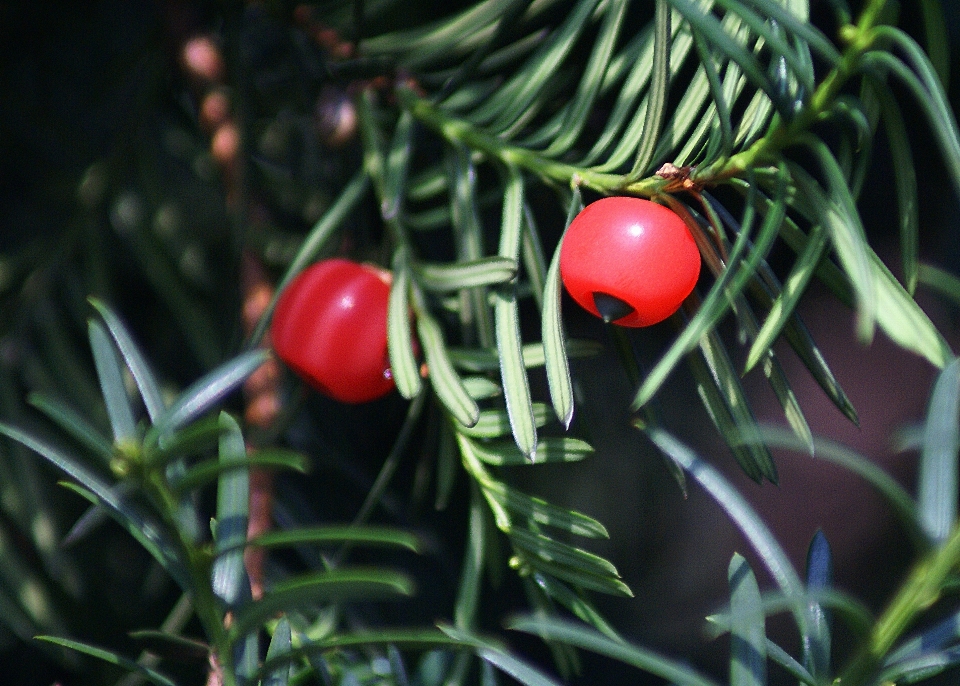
x: 610, y: 307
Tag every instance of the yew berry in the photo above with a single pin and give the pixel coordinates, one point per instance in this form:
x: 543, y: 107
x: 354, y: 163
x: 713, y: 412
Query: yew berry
x: 629, y: 261
x: 330, y: 327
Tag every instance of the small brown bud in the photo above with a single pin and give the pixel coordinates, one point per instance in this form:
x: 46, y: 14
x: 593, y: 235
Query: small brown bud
x: 202, y: 59
x: 335, y: 117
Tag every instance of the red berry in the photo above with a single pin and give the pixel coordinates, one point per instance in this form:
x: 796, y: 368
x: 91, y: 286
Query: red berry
x: 330, y: 327
x: 629, y: 261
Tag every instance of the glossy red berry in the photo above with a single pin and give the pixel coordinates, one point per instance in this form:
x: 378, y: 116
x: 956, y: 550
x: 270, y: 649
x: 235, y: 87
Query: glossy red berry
x: 629, y: 261
x: 330, y: 327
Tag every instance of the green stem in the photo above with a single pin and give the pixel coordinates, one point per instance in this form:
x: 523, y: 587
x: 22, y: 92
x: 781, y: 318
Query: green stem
x: 207, y: 608
x: 921, y: 590
x: 859, y: 39
x: 199, y: 564
x: 551, y: 171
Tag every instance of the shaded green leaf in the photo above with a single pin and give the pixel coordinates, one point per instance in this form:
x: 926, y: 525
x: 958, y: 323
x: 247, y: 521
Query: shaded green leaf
x: 208, y: 471
x: 742, y: 308
x: 203, y: 395
x: 819, y: 577
x: 793, y: 288
x: 922, y: 81
x: 503, y: 498
x: 114, y: 391
x: 576, y: 603
x: 936, y: 637
x: 554, y: 341
x: 469, y: 236
x: 455, y: 94
x: 560, y: 553
x: 905, y: 183
x: 419, y: 46
x: 516, y: 387
x: 659, y: 86
x: 496, y: 655
x: 756, y: 460
x: 903, y: 504
x: 548, y: 450
x: 534, y: 355
x: 448, y: 465
x: 713, y: 30
x: 332, y: 586
x: 748, y: 647
x: 196, y: 438
x: 676, y: 131
x: 794, y: 16
x: 396, y: 166
x: 148, y: 673
x: 496, y: 423
x: 922, y: 667
x: 941, y: 281
x: 938, y: 480
x: 414, y: 637
x: 485, y: 271
x: 280, y: 646
x: 246, y: 656
x: 229, y: 576
x: 790, y: 62
x: 566, y: 659
x: 427, y: 184
x: 355, y: 535
x: 75, y: 425
x: 446, y: 382
x: 635, y: 61
x: 418, y: 638
x: 481, y: 388
x: 780, y: 384
x: 591, y: 79
x: 856, y: 615
x: 516, y: 97
x: 172, y: 646
x: 590, y: 639
x: 143, y: 529
x: 719, y: 116
x: 532, y: 256
x: 99, y: 492
x: 802, y: 343
x: 902, y: 319
x: 428, y: 220
x: 471, y: 572
x: 545, y: 513
x: 146, y: 382
x: 935, y: 36
x: 746, y: 519
x: 515, y: 384
x: 400, y: 342
x: 372, y: 137
x: 836, y: 210
x: 794, y: 668
x: 719, y: 414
